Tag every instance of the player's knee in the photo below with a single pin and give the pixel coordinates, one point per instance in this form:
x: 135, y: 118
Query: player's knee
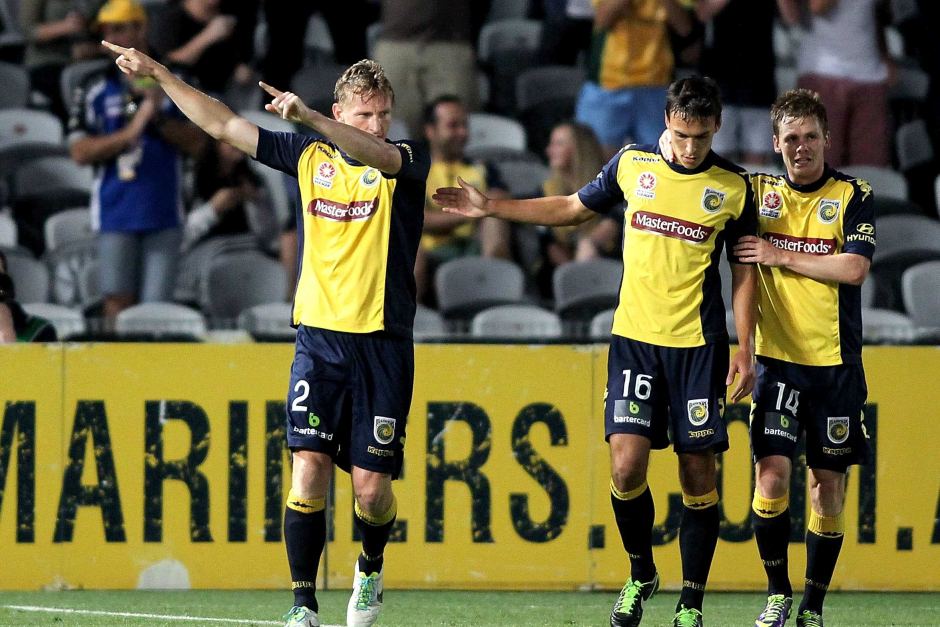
x: 773, y: 477
x: 628, y: 478
x: 374, y: 500
x: 697, y: 473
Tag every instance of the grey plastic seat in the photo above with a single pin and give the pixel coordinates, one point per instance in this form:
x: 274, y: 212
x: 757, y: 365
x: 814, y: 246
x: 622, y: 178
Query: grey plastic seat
x: 160, y: 319
x: 885, y: 326
x: 72, y: 268
x: 884, y: 181
x: 488, y: 130
x: 75, y: 74
x: 546, y: 83
x: 238, y: 280
x: 268, y: 321
x: 523, y: 179
x: 516, y: 322
x: 905, y: 235
x: 21, y: 126
x: 31, y: 278
x: 584, y: 288
x: 920, y: 289
x: 52, y: 174
x: 67, y: 226
x: 509, y: 34
x: 912, y: 145
x: 15, y: 81
x: 8, y: 231
x: 68, y: 322
x: 468, y: 285
x: 602, y: 325
x: 429, y: 324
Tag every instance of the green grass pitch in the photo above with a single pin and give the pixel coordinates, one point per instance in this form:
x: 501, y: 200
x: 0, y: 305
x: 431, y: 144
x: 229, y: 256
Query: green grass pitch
x: 419, y: 608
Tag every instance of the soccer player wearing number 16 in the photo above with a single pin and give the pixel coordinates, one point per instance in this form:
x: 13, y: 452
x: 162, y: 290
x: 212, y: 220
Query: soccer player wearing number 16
x: 668, y: 365
x: 816, y: 240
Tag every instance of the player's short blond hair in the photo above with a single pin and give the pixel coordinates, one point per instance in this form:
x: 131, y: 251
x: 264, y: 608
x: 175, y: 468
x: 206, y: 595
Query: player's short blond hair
x: 363, y: 78
x: 797, y: 104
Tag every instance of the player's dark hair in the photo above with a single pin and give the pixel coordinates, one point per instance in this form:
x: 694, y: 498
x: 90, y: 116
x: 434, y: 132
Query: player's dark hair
x: 361, y: 79
x: 429, y: 115
x: 798, y: 104
x: 694, y: 98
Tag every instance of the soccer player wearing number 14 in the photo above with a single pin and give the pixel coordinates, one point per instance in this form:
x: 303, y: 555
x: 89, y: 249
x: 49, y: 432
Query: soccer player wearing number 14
x: 668, y: 365
x: 816, y: 241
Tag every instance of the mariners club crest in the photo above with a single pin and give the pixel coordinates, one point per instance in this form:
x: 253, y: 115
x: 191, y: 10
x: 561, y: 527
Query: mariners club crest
x: 383, y: 429
x: 838, y: 429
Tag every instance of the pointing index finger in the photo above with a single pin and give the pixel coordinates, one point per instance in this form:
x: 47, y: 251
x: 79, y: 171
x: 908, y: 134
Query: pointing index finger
x: 271, y: 90
x: 114, y: 47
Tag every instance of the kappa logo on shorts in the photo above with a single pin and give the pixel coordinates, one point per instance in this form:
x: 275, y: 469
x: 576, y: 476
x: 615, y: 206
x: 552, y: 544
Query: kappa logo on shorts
x: 698, y: 411
x: 837, y: 429
x: 383, y: 429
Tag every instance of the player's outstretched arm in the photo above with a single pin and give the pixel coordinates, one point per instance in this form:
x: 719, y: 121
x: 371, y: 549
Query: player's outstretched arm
x: 207, y: 113
x: 467, y: 200
x: 361, y: 146
x: 743, y: 304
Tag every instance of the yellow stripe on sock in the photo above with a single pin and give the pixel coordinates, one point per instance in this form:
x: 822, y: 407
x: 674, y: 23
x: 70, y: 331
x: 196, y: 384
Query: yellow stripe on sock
x: 305, y: 506
x: 827, y: 526
x: 770, y: 508
x: 700, y: 502
x: 629, y: 495
x: 379, y: 519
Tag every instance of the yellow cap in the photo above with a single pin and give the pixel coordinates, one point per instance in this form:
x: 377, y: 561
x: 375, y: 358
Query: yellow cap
x: 117, y: 11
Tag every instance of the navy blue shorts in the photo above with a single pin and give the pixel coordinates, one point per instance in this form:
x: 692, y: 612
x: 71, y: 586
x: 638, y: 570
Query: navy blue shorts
x: 825, y: 402
x: 665, y: 394
x: 349, y: 397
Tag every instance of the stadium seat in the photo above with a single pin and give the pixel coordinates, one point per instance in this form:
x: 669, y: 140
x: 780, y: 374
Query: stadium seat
x: 49, y: 175
x: 912, y: 142
x: 869, y: 288
x: 15, y: 81
x: 499, y: 153
x: 884, y: 326
x: 894, y: 206
x: 584, y: 288
x: 67, y: 226
x: 318, y: 42
x: 20, y: 126
x: 515, y: 322
x: 268, y: 322
x: 316, y: 82
x: 89, y: 286
x: 511, y: 34
x: 7, y: 231
x: 429, y: 324
x: 275, y: 181
x: 785, y: 45
x: 601, y: 325
x: 160, y: 321
x: 523, y: 179
x: 920, y: 288
x: 884, y: 181
x: 906, y: 236
x: 31, y: 278
x: 507, y: 10
x: 238, y: 280
x: 68, y: 265
x: 67, y: 322
x: 488, y: 130
x: 785, y: 77
x: 911, y: 83
x: 75, y: 74
x: 547, y: 83
x: 469, y: 285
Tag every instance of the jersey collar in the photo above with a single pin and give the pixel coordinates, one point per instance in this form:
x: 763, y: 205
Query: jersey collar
x: 809, y: 188
x: 675, y: 167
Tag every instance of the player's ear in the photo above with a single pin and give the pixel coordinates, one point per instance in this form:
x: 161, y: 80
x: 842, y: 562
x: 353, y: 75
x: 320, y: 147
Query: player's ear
x: 776, y: 143
x: 337, y: 111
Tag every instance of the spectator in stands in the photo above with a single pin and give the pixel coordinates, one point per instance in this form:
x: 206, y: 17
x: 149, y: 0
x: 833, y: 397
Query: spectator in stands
x: 843, y: 58
x: 197, y: 36
x: 15, y: 324
x: 448, y: 236
x: 232, y: 206
x: 133, y: 135
x: 566, y: 31
x: 57, y: 33
x: 287, y: 27
x: 625, y: 93
x: 575, y: 158
x: 426, y: 48
x: 746, y: 80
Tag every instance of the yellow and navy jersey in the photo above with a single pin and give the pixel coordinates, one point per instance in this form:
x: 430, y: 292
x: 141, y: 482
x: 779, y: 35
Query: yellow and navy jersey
x: 676, y: 221
x: 802, y: 320
x: 358, y: 231
x: 444, y: 174
x: 635, y: 51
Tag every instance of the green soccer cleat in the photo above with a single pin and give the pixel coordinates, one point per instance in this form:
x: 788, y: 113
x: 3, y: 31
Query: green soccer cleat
x: 809, y: 618
x: 628, y: 610
x: 366, y: 600
x: 776, y: 612
x: 687, y: 617
x: 301, y: 616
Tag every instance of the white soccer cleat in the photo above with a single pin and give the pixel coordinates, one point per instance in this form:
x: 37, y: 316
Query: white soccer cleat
x: 301, y: 616
x: 366, y: 600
